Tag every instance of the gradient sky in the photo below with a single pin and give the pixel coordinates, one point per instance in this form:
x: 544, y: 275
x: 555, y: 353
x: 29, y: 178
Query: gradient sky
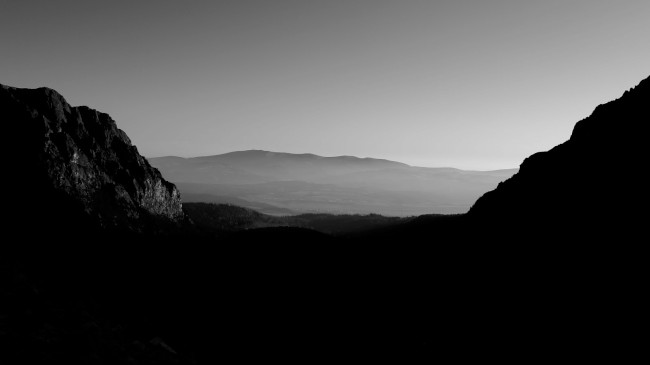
x: 469, y: 84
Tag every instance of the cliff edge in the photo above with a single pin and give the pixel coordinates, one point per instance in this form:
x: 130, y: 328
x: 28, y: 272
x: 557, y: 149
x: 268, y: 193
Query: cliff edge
x: 67, y: 162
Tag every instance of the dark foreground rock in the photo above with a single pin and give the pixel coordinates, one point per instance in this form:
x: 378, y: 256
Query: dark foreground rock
x: 76, y: 159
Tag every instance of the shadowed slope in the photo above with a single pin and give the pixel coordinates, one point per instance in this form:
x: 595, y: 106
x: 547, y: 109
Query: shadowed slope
x: 552, y: 260
x: 590, y: 185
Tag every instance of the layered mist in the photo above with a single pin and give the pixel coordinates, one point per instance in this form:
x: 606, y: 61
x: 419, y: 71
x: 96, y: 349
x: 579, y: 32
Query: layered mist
x: 284, y: 183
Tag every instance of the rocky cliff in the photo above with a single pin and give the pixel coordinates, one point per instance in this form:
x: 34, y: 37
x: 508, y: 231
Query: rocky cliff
x: 67, y: 162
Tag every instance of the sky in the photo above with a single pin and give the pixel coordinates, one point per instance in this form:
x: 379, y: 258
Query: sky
x: 468, y: 84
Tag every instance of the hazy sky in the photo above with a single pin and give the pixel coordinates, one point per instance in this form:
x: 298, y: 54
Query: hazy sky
x: 469, y: 84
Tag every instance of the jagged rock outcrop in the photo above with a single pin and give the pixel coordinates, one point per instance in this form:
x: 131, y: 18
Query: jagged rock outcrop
x: 62, y: 157
x: 592, y: 185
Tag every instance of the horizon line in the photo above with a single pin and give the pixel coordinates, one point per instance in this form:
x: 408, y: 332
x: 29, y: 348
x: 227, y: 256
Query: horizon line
x: 337, y: 156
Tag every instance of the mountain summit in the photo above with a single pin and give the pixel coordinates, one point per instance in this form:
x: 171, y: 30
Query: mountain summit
x: 74, y: 162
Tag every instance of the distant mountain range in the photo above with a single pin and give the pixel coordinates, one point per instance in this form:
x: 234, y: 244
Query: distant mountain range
x: 285, y: 183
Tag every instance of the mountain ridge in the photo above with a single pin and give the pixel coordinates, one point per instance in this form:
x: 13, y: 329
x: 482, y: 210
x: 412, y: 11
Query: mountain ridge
x: 340, y: 185
x: 316, y: 156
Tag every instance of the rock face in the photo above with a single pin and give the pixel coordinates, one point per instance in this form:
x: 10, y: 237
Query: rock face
x: 62, y: 157
x: 591, y: 183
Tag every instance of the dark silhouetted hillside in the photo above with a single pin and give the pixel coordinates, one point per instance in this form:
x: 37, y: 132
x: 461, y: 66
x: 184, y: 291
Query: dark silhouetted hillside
x: 591, y: 186
x: 552, y: 260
